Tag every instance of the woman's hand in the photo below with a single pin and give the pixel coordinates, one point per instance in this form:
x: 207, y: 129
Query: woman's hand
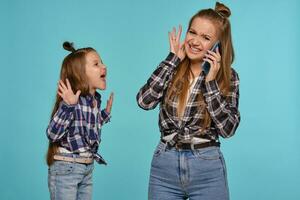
x: 66, y: 93
x: 214, y: 60
x: 176, y: 46
x: 109, y: 103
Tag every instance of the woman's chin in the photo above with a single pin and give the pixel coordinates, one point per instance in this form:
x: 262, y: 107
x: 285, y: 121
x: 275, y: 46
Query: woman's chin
x: 194, y: 57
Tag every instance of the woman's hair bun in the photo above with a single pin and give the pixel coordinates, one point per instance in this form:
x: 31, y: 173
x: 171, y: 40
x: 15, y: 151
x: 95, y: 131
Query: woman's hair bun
x: 68, y: 46
x: 222, y: 10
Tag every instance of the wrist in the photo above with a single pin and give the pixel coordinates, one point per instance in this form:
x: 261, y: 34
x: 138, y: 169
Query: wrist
x: 208, y: 79
x: 69, y: 103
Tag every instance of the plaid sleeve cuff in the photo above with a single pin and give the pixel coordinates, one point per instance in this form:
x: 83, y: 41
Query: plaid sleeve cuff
x: 66, y: 107
x: 172, y: 60
x: 105, y: 116
x: 211, y: 88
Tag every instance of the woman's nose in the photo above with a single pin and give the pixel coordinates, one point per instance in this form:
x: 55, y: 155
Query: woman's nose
x: 196, y: 41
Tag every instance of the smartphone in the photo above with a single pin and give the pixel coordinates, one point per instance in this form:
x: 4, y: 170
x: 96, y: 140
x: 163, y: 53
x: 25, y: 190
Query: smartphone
x: 206, y: 65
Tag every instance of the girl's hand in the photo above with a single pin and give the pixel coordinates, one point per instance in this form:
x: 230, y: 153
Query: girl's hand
x: 66, y: 93
x: 176, y: 46
x: 109, y: 103
x: 214, y: 60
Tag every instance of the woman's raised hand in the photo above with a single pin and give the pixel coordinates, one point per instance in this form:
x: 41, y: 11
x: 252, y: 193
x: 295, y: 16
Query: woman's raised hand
x: 214, y: 59
x: 176, y: 46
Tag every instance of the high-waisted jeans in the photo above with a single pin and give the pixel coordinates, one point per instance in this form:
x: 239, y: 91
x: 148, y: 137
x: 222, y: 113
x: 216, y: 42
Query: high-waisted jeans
x: 198, y: 174
x: 70, y: 181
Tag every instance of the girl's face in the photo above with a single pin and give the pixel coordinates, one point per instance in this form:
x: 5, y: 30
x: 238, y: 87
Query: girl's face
x: 95, y: 71
x: 200, y: 37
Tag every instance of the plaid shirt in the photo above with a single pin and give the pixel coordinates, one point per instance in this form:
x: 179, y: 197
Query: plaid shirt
x: 223, y: 110
x: 78, y: 127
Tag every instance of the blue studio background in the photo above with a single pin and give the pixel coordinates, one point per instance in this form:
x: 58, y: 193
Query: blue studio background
x: 263, y: 158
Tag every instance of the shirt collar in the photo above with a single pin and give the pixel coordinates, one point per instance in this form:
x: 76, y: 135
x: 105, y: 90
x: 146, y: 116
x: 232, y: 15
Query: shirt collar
x: 89, y: 99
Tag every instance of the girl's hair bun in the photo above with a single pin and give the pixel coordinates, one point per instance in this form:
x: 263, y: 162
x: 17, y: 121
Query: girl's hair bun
x: 68, y: 46
x: 223, y: 10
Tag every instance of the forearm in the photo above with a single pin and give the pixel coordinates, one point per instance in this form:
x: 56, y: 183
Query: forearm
x: 223, y: 110
x: 150, y: 94
x: 60, y: 122
x: 105, y: 117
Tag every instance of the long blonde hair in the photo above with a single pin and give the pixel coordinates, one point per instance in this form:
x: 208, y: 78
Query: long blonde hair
x: 180, y: 82
x: 73, y: 68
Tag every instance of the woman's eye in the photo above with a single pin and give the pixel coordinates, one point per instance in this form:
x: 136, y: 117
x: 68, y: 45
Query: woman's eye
x: 192, y: 32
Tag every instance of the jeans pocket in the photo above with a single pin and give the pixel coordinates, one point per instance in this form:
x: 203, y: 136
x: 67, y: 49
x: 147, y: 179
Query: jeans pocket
x: 209, y: 153
x: 61, y: 168
x: 159, y: 149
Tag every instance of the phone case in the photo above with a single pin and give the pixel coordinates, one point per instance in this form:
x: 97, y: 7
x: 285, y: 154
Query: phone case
x: 206, y: 65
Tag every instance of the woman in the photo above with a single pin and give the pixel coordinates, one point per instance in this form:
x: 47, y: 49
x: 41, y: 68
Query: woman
x: 195, y: 109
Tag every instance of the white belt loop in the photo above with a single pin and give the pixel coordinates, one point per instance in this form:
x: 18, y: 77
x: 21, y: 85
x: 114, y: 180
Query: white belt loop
x: 165, y: 146
x: 192, y: 147
x: 74, y: 157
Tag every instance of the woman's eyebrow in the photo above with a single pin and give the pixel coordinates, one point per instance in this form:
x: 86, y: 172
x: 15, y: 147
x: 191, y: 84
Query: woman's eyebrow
x: 191, y: 29
x: 206, y: 35
x: 203, y: 34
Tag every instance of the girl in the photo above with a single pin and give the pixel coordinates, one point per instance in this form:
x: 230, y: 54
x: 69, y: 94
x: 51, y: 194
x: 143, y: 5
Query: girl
x: 195, y: 109
x: 74, y: 129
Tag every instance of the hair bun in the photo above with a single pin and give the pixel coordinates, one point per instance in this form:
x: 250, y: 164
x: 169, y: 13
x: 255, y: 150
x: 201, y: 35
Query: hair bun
x: 68, y: 46
x: 222, y: 10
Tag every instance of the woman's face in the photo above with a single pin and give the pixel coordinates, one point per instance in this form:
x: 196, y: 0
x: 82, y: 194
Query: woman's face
x: 200, y: 37
x: 95, y: 71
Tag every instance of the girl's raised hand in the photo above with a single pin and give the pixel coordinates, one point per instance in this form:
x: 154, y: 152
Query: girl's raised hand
x: 176, y: 46
x: 66, y: 93
x: 109, y: 103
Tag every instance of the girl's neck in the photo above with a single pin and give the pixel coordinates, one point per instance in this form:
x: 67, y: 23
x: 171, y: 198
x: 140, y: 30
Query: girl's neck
x: 92, y: 92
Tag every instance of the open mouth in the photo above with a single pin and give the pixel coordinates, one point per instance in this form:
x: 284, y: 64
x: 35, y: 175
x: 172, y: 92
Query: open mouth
x: 103, y: 76
x: 194, y: 49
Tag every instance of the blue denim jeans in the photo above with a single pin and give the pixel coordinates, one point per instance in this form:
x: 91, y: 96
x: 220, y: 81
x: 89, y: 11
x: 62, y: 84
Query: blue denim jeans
x: 188, y: 174
x: 70, y: 181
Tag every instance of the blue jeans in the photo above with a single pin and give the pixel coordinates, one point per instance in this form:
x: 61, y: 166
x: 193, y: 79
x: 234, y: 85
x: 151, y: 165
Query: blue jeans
x: 188, y: 174
x: 70, y: 181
